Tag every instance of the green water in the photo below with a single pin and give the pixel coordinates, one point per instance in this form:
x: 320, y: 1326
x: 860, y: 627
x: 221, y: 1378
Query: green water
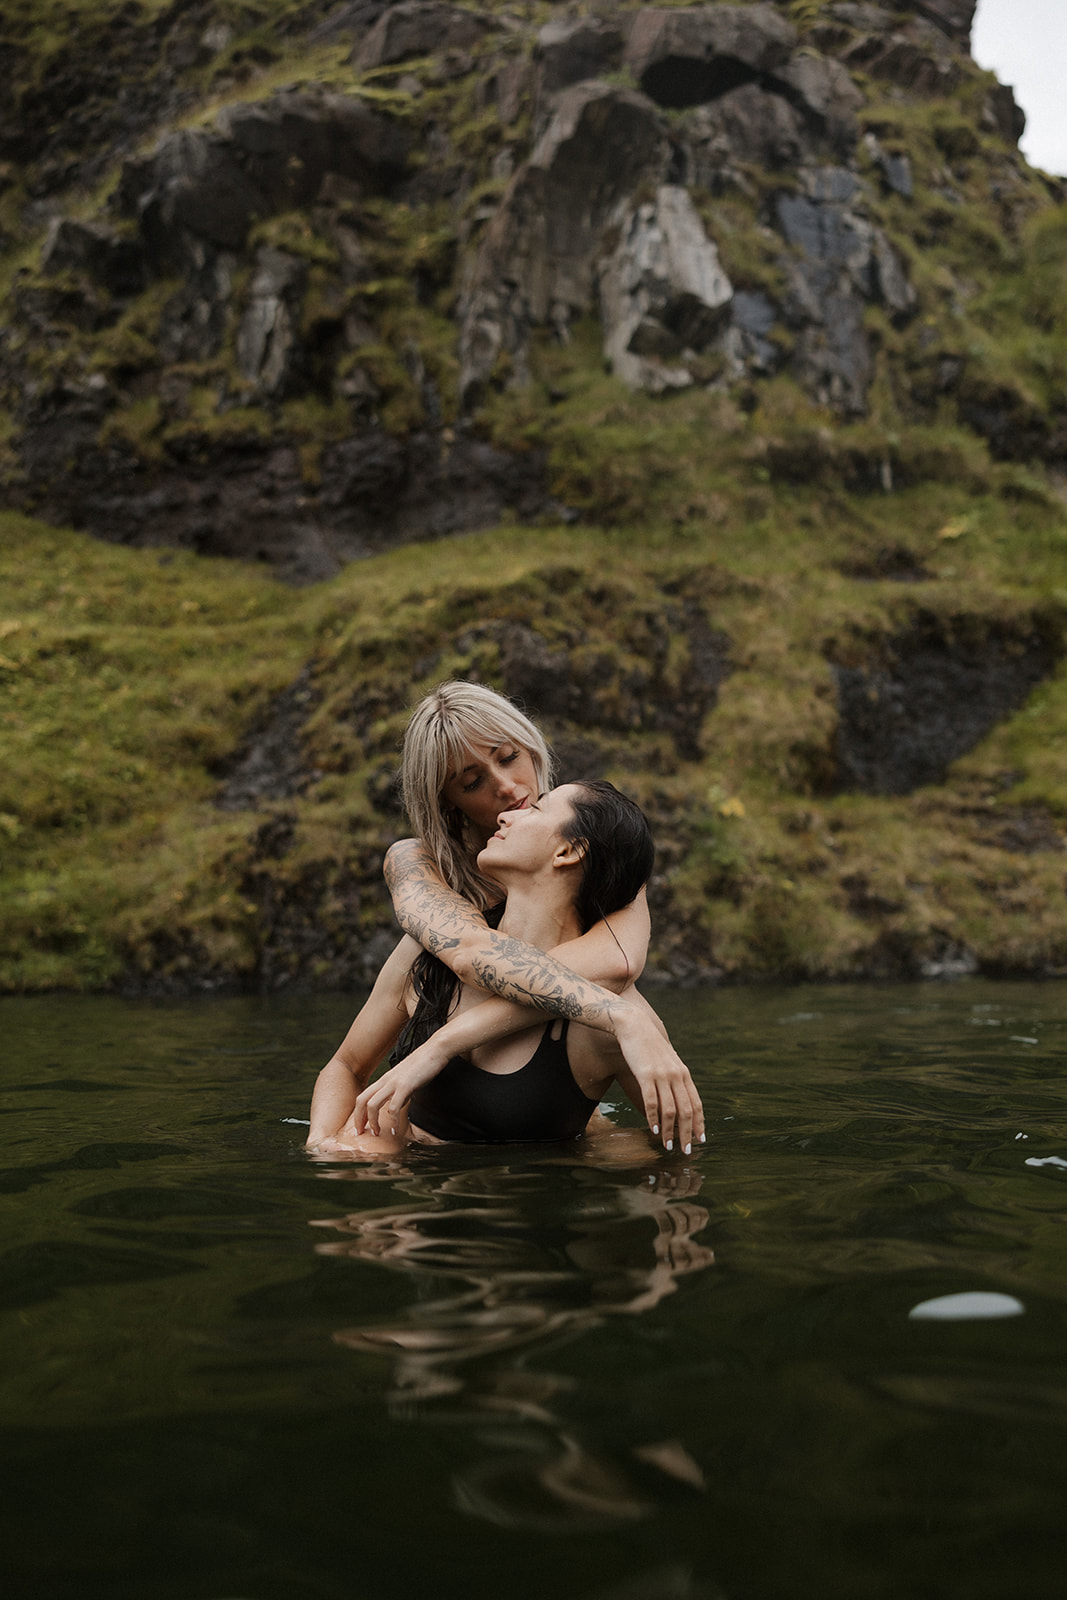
x: 231, y: 1374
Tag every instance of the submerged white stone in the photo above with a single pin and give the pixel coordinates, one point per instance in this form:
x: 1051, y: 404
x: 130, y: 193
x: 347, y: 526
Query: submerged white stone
x: 977, y: 1305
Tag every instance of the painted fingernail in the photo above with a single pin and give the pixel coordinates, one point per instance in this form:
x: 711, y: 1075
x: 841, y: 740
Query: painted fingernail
x: 703, y: 1138
x: 655, y: 1127
x: 670, y: 1144
x: 689, y: 1149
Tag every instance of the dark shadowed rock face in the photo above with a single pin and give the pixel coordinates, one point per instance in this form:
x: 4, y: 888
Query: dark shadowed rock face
x: 264, y: 157
x: 581, y: 692
x: 271, y: 764
x: 246, y: 499
x: 688, y: 57
x: 117, y: 264
x: 929, y: 695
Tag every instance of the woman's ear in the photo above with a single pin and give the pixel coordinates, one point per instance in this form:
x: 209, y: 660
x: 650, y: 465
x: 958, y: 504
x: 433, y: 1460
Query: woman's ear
x: 570, y: 853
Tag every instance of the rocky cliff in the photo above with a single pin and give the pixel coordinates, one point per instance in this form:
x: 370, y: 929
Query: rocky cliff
x: 736, y: 328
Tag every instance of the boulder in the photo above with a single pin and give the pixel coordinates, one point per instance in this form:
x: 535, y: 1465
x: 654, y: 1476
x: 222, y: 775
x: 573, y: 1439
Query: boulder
x: 539, y: 257
x: 688, y: 57
x: 663, y: 292
x: 192, y: 183
x: 419, y: 29
x: 569, y: 51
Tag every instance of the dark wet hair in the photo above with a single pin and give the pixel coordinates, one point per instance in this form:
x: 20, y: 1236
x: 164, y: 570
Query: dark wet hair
x: 618, y: 853
x: 617, y: 860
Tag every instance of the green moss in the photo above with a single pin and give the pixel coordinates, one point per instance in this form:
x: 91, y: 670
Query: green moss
x: 294, y: 233
x: 750, y: 252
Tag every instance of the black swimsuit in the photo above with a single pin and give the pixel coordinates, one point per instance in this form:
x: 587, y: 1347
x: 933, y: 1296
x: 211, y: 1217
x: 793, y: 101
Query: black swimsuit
x: 539, y: 1101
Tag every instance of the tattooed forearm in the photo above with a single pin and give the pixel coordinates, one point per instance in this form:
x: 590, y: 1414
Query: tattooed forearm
x: 450, y: 927
x: 518, y: 971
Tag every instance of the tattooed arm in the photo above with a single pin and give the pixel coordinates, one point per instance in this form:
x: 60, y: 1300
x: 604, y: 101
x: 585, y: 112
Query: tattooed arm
x: 450, y: 928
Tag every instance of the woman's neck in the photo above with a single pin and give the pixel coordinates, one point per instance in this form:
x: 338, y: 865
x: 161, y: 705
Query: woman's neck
x: 539, y: 918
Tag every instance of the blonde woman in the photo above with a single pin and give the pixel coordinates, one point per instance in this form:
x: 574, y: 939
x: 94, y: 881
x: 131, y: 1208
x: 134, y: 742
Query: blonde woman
x: 469, y: 756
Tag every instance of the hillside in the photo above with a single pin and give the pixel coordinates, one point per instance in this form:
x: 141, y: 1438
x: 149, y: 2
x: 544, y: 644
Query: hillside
x: 696, y: 374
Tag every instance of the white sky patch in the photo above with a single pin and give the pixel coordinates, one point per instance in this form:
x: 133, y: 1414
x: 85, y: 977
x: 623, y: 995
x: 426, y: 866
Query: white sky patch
x: 1025, y: 43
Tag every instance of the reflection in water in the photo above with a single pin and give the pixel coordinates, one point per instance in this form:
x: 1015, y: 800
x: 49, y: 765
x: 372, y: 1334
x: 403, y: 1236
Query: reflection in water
x: 534, y: 1256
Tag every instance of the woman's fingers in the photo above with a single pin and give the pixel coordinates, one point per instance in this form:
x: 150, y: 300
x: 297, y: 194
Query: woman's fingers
x: 699, y: 1134
x: 686, y: 1116
x: 367, y: 1110
x: 380, y: 1107
x: 674, y: 1111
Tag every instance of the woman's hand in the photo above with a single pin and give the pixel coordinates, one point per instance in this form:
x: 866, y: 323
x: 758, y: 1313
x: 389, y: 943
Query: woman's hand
x: 379, y: 1107
x: 663, y: 1086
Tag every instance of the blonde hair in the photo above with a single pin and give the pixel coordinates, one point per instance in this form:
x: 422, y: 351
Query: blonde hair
x: 442, y: 732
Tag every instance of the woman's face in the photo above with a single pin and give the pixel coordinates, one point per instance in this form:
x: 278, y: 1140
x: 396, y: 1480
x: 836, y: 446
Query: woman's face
x: 526, y: 839
x: 494, y: 778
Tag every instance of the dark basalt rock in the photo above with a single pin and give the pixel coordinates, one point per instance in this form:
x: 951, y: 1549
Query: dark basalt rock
x: 1002, y: 114
x: 416, y: 29
x: 824, y: 93
x: 918, y: 58
x: 271, y: 766
x: 116, y: 263
x: 539, y: 256
x: 581, y: 692
x: 357, y: 18
x: 688, y: 57
x: 193, y: 322
x: 748, y: 124
x: 953, y: 17
x: 862, y: 16
x: 568, y: 52
x: 244, y: 498
x: 928, y: 695
x: 841, y: 262
x: 264, y: 157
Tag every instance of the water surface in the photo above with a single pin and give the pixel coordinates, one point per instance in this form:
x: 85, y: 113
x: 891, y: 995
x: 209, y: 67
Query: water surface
x: 232, y: 1372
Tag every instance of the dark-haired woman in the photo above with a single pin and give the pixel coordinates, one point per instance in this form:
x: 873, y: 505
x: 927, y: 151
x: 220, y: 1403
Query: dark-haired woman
x: 564, y: 861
